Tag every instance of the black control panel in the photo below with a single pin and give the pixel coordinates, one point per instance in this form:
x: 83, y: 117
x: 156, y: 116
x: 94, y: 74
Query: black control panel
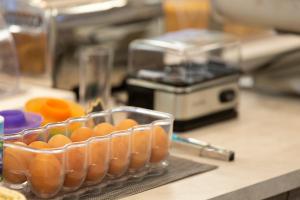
x: 227, y: 96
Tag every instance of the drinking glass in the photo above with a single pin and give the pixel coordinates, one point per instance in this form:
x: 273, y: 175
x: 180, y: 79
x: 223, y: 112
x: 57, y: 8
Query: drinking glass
x: 94, y: 75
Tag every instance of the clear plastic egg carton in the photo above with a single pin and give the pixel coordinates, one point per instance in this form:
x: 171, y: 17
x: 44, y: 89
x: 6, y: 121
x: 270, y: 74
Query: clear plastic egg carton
x: 96, y: 162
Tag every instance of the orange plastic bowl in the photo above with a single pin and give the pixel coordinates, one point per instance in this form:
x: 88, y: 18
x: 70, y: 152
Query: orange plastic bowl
x: 54, y: 110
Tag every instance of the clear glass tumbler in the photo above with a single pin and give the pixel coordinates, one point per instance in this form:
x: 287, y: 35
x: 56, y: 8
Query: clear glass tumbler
x: 9, y: 66
x: 94, y: 75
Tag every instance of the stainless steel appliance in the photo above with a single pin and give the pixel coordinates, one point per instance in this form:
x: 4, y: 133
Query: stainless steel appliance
x: 49, y: 33
x: 189, y: 74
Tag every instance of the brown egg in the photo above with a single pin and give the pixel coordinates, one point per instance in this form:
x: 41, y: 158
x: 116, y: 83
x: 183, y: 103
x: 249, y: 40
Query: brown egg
x: 140, y: 150
x: 126, y: 124
x: 103, y: 129
x: 15, y: 164
x: 160, y: 145
x: 117, y: 167
x: 59, y: 141
x: 74, y: 179
x: 46, y: 175
x: 75, y: 161
x: 76, y: 167
x: 120, y: 154
x: 39, y: 145
x: 99, y: 154
x: 120, y: 149
x: 98, y: 162
x: 82, y: 134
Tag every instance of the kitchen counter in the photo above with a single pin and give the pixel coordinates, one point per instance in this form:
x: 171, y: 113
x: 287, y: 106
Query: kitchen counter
x: 28, y: 91
x: 266, y: 139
